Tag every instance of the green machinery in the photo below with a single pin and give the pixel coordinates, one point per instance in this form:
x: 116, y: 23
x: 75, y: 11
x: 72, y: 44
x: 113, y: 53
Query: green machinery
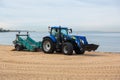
x: 24, y: 42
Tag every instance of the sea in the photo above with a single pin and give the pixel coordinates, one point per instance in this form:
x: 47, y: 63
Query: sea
x: 107, y: 41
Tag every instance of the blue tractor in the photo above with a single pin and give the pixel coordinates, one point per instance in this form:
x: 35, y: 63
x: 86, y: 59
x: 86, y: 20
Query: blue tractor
x: 59, y: 40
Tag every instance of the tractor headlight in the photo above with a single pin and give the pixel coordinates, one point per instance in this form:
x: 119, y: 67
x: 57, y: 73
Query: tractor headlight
x: 73, y: 37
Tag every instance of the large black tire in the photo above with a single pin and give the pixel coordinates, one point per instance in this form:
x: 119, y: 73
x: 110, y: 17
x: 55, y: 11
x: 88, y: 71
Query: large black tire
x: 18, y: 47
x: 78, y: 51
x: 67, y: 48
x: 48, y: 46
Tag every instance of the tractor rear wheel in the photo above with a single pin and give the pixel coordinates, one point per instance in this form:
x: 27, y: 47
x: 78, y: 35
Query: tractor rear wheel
x: 67, y: 48
x: 47, y: 46
x: 78, y: 51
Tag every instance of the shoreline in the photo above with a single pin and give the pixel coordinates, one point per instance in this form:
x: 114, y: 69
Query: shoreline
x: 105, y: 45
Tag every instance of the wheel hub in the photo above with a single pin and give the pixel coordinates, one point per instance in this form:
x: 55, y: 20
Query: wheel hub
x: 46, y: 45
x: 65, y: 49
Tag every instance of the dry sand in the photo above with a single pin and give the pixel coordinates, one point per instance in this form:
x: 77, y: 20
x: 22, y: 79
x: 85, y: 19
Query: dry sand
x: 24, y: 65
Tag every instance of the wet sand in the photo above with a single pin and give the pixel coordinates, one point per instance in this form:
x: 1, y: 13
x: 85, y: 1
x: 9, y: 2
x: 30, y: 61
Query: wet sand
x: 25, y: 65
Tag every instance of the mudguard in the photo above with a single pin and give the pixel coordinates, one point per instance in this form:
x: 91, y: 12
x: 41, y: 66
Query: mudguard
x: 51, y: 37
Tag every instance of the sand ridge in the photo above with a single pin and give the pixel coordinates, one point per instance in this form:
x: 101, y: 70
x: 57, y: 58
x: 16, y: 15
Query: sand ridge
x: 24, y: 65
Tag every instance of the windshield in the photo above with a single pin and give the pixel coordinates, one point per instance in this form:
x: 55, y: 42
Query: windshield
x: 64, y: 31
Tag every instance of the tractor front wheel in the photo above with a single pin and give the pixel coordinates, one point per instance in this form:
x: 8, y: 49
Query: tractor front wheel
x: 67, y: 48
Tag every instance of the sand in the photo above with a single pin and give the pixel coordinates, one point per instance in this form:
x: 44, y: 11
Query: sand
x: 24, y: 65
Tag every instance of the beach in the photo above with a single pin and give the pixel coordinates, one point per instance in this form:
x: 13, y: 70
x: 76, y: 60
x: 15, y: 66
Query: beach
x: 25, y: 65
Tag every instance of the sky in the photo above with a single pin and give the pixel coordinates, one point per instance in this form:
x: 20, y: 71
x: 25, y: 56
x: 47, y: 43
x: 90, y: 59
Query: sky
x: 81, y: 15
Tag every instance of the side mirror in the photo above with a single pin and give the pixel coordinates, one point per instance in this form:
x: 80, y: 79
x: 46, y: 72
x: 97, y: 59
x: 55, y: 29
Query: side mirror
x: 49, y: 29
x: 70, y: 30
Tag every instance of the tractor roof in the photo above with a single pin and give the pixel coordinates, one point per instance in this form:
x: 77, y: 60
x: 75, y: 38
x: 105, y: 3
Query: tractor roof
x: 58, y: 27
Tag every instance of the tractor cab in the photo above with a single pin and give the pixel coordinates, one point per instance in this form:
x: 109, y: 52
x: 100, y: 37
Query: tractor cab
x: 59, y: 33
x: 60, y: 30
